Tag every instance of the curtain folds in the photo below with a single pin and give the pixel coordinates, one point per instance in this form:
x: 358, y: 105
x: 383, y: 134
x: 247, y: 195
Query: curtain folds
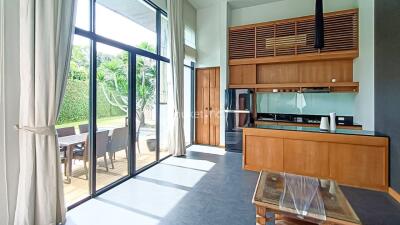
x: 176, y: 43
x: 46, y: 32
x: 4, y: 213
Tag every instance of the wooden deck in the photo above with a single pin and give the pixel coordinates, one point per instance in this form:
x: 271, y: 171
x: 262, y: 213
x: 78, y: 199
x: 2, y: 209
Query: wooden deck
x: 79, y: 186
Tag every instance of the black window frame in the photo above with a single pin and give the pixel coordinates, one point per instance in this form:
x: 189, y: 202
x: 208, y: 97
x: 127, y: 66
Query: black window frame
x: 133, y: 53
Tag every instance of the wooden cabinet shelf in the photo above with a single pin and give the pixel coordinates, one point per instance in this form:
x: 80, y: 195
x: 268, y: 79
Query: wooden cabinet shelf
x: 292, y: 87
x: 351, y: 54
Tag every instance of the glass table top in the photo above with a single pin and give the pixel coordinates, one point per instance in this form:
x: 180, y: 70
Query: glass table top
x: 271, y: 185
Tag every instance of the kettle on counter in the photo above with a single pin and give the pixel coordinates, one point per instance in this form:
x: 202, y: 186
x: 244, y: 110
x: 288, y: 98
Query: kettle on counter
x: 324, y: 124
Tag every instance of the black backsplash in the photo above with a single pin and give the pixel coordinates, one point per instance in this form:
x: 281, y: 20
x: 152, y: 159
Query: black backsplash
x: 301, y: 118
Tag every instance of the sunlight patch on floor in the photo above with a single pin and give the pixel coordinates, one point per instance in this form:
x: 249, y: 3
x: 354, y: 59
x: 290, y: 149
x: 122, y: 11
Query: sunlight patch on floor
x: 174, y: 175
x: 203, y: 165
x: 207, y: 149
x: 102, y: 213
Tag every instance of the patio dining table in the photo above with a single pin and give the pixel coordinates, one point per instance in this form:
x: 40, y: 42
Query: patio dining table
x: 69, y: 142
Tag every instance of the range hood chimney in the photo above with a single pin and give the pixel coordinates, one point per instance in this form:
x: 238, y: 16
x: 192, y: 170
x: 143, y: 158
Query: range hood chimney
x: 319, y: 25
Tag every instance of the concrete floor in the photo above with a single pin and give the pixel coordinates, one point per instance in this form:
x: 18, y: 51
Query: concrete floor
x: 207, y: 187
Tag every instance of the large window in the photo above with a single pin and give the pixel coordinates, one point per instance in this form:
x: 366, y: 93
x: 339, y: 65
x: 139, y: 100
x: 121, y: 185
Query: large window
x: 110, y: 117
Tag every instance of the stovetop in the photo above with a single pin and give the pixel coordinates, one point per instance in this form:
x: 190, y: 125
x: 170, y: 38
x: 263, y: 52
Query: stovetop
x: 299, y: 118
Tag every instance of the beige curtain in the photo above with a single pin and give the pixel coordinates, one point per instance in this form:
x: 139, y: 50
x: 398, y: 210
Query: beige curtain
x: 3, y: 178
x: 46, y: 31
x: 177, y: 42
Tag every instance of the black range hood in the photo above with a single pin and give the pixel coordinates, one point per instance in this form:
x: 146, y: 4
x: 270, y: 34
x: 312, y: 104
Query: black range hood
x: 319, y: 42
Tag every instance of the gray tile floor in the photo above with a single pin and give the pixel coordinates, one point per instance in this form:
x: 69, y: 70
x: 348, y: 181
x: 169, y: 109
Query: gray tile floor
x: 207, y: 187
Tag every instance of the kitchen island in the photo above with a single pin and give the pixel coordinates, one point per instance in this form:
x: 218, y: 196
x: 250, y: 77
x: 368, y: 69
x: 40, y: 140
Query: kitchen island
x: 356, y: 158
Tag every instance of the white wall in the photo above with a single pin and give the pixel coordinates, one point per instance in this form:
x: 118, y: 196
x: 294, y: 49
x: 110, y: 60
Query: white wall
x: 189, y: 19
x: 10, y: 106
x: 212, y: 27
x: 208, y: 36
x: 285, y: 9
x: 363, y: 66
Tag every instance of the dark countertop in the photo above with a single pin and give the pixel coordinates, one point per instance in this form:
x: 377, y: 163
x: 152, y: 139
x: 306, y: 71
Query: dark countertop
x: 317, y: 130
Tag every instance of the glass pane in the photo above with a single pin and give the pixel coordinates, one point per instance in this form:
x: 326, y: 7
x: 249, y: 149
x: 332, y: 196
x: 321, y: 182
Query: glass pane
x: 131, y: 22
x: 75, y: 112
x: 164, y: 114
x: 190, y: 37
x: 112, y: 111
x: 83, y: 14
x: 164, y: 36
x: 145, y: 111
x: 187, y: 104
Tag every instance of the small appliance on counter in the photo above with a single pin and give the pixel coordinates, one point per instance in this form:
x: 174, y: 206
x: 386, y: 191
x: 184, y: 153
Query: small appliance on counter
x: 238, y: 114
x: 324, y: 126
x: 332, y: 121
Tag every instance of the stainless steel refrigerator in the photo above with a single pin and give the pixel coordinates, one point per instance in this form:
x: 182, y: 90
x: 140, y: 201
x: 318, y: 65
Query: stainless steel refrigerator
x: 238, y: 114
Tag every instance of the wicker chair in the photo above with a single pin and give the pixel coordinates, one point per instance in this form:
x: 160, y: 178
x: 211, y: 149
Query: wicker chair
x: 119, y: 141
x: 101, y: 150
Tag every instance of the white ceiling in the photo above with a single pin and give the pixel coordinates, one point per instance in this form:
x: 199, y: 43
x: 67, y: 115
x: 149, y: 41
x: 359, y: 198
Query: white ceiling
x: 234, y: 4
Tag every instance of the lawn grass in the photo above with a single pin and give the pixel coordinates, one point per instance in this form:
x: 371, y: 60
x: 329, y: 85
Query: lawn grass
x: 102, y: 122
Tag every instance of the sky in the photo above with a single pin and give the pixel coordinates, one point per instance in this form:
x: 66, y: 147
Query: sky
x: 111, y: 25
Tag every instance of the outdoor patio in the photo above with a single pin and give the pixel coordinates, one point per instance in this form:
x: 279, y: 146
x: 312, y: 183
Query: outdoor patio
x: 76, y: 186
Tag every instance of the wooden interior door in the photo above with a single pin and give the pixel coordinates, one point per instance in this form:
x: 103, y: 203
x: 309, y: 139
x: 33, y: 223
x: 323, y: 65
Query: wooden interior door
x: 207, y: 106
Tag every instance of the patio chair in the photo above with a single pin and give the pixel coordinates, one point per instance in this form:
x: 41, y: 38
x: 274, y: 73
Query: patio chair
x: 101, y: 150
x: 83, y: 128
x: 119, y: 141
x: 67, y: 131
x: 137, y: 132
x: 62, y: 132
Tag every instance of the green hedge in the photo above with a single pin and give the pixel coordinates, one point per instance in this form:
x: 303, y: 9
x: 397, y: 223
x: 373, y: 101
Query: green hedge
x: 75, y: 105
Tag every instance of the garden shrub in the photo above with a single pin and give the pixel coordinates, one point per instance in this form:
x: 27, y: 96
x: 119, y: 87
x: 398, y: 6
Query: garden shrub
x: 75, y: 106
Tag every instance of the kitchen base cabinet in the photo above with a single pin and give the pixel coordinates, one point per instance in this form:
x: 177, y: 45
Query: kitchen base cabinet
x: 358, y: 165
x: 264, y: 153
x: 309, y: 158
x: 354, y: 160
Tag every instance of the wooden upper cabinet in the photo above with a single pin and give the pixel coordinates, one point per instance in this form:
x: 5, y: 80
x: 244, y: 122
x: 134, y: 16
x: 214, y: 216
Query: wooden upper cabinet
x: 295, y: 37
x: 242, y: 74
x: 241, y: 43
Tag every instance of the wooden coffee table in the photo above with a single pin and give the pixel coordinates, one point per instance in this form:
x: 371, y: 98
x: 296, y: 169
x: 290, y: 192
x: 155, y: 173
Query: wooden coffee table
x: 270, y: 187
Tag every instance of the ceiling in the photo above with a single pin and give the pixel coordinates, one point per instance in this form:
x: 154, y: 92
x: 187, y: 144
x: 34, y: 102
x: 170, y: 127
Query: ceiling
x: 134, y: 10
x: 234, y: 4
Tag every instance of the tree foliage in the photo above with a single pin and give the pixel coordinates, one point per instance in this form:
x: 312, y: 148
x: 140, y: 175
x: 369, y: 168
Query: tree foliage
x: 112, y: 80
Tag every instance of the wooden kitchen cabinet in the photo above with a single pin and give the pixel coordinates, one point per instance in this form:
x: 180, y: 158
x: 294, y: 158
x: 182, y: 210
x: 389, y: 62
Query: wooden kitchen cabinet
x: 354, y: 160
x: 359, y: 165
x: 242, y: 75
x: 309, y: 158
x: 292, y: 40
x: 264, y: 153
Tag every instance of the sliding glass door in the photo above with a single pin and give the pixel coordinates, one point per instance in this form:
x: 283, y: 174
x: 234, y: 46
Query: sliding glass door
x: 111, y: 106
x: 73, y: 115
x: 146, y: 111
x: 112, y: 135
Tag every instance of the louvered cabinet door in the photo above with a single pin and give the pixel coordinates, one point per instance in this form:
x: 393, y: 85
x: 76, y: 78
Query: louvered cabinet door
x: 242, y: 43
x: 294, y: 37
x: 202, y: 106
x: 341, y: 32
